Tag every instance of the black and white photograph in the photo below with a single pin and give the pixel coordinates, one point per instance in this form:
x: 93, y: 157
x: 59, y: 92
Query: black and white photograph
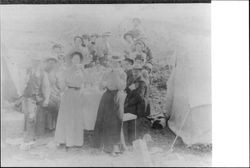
x: 106, y: 85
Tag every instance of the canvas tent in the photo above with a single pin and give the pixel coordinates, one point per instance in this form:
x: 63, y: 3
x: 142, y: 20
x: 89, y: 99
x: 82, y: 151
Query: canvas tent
x: 12, y: 77
x: 189, y: 97
x: 8, y: 89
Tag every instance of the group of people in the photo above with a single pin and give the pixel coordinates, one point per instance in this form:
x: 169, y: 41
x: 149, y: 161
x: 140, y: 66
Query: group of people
x: 54, y: 95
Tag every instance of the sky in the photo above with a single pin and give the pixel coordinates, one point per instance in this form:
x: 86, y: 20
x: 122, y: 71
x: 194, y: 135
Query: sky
x: 26, y: 28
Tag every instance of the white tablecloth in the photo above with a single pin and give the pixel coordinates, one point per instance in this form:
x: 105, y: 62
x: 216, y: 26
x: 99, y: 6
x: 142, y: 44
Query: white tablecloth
x: 91, y: 98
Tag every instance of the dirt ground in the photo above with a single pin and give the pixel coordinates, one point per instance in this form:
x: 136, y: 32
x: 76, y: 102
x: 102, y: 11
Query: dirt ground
x: 44, y: 153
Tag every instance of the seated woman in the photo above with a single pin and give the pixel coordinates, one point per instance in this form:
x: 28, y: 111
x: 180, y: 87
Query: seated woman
x: 69, y: 127
x: 136, y: 101
x: 107, y: 131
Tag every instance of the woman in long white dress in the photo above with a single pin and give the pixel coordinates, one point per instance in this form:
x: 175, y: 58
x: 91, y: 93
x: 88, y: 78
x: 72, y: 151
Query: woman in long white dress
x: 69, y: 128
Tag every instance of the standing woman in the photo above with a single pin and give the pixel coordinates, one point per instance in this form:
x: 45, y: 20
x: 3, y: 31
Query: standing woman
x: 69, y: 128
x: 107, y: 131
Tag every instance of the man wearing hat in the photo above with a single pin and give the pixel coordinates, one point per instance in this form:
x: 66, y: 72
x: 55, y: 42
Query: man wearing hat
x: 55, y: 93
x: 36, y: 96
x: 136, y: 101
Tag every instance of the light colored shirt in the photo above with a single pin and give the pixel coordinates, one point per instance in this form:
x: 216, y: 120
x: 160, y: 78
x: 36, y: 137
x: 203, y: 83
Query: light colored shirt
x: 114, y: 79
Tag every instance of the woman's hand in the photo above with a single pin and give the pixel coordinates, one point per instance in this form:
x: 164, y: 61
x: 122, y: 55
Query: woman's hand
x: 132, y: 87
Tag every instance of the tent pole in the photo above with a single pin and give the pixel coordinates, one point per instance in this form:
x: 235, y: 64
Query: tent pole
x: 172, y: 146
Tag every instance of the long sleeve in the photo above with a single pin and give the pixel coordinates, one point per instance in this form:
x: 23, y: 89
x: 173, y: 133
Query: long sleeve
x: 46, y: 90
x: 138, y: 95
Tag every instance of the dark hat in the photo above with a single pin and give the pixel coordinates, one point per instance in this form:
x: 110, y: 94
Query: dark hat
x: 71, y: 54
x: 129, y: 60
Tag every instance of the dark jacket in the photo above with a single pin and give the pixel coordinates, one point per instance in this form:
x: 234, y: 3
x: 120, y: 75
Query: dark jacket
x: 137, y: 100
x: 130, y: 80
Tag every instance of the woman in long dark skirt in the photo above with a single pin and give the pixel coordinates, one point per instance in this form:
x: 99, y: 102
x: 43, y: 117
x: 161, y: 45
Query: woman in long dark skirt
x: 107, y: 131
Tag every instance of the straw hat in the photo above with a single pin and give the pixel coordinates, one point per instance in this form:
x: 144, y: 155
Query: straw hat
x: 70, y: 55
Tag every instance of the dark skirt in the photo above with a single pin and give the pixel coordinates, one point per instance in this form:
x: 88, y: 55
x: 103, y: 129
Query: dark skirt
x: 52, y: 112
x: 107, y: 131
